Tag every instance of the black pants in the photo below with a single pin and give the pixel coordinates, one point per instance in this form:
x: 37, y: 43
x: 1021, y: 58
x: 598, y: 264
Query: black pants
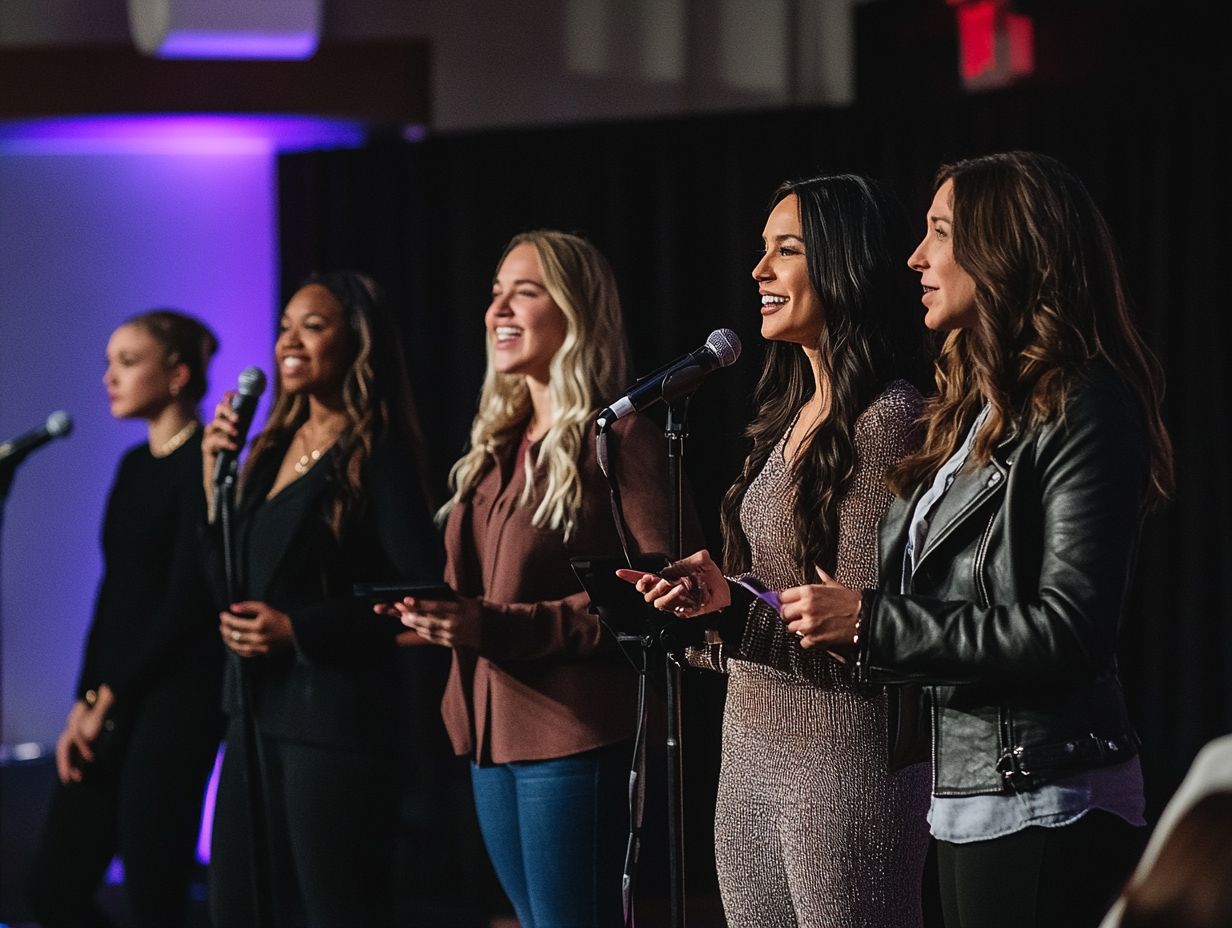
x: 1039, y: 877
x: 332, y: 818
x: 145, y: 804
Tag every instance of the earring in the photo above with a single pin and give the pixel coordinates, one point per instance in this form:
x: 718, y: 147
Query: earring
x: 175, y: 390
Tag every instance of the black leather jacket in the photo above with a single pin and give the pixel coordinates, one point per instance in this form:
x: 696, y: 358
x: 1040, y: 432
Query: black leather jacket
x: 1014, y: 608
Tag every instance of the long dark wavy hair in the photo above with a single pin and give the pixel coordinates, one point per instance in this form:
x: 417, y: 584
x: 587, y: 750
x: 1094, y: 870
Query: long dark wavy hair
x: 1050, y: 301
x: 376, y: 395
x: 855, y: 237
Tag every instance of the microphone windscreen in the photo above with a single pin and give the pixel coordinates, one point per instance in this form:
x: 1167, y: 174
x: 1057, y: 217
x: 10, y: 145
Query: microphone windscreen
x: 59, y: 424
x: 251, y: 382
x: 724, y: 344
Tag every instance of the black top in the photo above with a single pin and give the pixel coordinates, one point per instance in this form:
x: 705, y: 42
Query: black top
x: 153, y: 618
x: 340, y: 684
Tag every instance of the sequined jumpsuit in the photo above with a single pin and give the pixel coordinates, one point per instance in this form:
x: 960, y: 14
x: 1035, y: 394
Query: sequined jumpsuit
x: 810, y: 827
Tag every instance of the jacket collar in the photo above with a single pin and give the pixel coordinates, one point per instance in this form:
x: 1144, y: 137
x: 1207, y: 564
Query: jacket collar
x: 295, y: 504
x: 966, y: 497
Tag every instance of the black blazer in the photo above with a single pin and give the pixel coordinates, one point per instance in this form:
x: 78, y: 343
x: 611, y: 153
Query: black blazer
x: 1017, y: 598
x: 340, y: 685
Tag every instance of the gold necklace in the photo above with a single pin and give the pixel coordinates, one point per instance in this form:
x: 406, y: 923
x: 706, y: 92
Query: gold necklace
x: 305, y: 462
x: 177, y: 439
x: 313, y: 454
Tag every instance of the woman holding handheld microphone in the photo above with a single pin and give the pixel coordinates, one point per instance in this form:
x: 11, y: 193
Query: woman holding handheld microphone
x: 812, y: 824
x: 539, y: 696
x: 330, y: 496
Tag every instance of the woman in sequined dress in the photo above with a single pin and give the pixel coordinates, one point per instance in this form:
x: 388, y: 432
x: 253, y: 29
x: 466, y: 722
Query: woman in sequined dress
x: 812, y: 827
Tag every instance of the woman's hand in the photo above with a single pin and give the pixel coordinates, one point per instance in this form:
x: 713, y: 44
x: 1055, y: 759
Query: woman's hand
x: 408, y: 637
x: 453, y: 624
x: 90, y: 723
x: 251, y: 629
x: 825, y: 614
x: 220, y: 435
x: 72, y: 752
x: 75, y: 746
x: 687, y: 588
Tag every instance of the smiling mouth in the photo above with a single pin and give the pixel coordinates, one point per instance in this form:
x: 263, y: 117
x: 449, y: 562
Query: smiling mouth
x: 771, y: 302
x: 291, y: 365
x: 506, y: 333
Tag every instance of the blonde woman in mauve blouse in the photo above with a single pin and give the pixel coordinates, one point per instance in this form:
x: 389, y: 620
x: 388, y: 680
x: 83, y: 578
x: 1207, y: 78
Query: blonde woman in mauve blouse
x: 539, y: 697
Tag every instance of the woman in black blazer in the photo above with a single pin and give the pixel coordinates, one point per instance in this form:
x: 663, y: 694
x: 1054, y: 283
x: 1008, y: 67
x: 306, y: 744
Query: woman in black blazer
x: 331, y: 495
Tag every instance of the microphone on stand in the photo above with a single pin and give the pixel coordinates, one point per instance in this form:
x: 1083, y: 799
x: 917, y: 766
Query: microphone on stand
x: 248, y: 390
x: 676, y: 378
x: 14, y: 451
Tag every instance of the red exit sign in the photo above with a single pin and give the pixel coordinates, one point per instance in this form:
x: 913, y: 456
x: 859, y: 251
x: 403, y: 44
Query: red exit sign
x: 996, y: 46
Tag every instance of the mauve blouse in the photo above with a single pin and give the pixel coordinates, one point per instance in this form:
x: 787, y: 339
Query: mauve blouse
x: 547, y: 680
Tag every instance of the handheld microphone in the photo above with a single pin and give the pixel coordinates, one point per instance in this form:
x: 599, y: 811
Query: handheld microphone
x: 13, y: 452
x: 676, y: 378
x: 248, y: 390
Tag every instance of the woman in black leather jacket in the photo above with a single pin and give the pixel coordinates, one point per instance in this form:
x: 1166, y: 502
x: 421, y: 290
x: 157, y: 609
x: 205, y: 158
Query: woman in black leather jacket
x: 1007, y: 558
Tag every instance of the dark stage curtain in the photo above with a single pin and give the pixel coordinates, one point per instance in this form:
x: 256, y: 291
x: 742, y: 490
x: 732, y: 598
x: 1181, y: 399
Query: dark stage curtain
x: 678, y: 206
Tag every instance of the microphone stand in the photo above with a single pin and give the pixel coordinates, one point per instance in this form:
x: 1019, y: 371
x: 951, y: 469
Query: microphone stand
x: 260, y: 864
x: 669, y: 655
x: 676, y: 430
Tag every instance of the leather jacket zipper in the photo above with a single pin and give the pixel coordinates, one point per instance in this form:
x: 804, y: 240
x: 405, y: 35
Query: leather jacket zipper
x: 981, y: 555
x: 1008, y: 762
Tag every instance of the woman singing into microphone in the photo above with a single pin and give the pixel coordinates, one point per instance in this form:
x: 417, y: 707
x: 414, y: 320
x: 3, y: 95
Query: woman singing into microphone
x: 330, y: 496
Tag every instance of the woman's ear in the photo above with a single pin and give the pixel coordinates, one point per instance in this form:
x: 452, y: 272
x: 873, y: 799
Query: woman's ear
x: 180, y: 376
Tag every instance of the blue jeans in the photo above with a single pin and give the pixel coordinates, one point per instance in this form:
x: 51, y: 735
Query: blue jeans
x: 556, y: 833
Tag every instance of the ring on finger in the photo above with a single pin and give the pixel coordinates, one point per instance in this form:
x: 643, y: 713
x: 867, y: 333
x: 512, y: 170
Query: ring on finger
x: 236, y: 636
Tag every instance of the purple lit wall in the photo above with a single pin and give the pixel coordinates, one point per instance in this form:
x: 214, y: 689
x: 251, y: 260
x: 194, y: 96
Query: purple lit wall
x: 100, y: 219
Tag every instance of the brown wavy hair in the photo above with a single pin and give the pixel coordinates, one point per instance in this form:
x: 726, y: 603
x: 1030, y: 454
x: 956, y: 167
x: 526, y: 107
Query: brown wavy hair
x: 376, y: 397
x: 1050, y: 302
x: 854, y: 236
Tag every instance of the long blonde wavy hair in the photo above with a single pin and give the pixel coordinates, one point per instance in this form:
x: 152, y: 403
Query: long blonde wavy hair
x: 590, y: 366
